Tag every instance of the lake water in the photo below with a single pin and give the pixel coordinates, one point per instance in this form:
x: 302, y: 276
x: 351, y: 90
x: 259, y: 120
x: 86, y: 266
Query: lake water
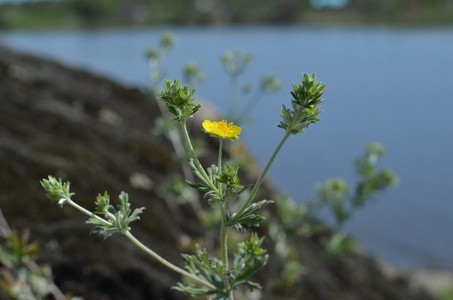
x: 387, y: 85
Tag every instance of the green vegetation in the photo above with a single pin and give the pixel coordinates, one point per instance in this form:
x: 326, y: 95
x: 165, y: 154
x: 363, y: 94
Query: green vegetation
x: 207, y: 274
x: 21, y: 277
x: 223, y: 271
x: 446, y: 294
x: 108, y: 13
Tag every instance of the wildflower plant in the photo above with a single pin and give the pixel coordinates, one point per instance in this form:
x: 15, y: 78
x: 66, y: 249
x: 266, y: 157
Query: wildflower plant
x: 341, y: 200
x: 235, y: 64
x: 192, y: 74
x: 20, y: 276
x: 155, y: 57
x: 205, y: 274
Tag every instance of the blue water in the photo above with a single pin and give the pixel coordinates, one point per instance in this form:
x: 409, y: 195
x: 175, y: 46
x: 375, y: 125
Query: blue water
x: 387, y: 85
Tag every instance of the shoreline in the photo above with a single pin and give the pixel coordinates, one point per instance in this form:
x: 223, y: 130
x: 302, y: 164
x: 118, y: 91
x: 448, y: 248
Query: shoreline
x: 83, y: 15
x: 433, y: 279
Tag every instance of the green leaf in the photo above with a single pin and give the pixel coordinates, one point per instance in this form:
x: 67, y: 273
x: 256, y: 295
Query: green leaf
x: 306, y: 97
x: 56, y: 190
x: 198, y: 186
x: 207, y: 269
x: 251, y: 285
x: 193, y: 290
x: 102, y: 203
x: 205, y: 186
x: 338, y: 244
x: 119, y: 219
x: 102, y: 228
x: 249, y: 217
x: 179, y: 100
x: 249, y: 258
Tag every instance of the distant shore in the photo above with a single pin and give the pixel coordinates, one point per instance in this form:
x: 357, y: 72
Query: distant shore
x: 437, y: 281
x: 72, y: 14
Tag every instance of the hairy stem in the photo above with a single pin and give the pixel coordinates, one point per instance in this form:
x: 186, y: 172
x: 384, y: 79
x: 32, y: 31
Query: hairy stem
x: 166, y: 263
x: 224, y: 248
x: 220, y: 162
x: 195, y: 158
x: 261, y: 178
x: 220, y: 154
x: 87, y: 212
x: 224, y: 237
x: 251, y: 104
x: 233, y: 95
x: 144, y: 248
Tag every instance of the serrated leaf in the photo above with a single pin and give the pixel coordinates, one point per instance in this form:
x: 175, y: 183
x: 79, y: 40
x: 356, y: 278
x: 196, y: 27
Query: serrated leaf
x: 252, y: 268
x: 251, y: 285
x: 193, y: 290
x: 249, y: 217
x: 197, y: 172
x: 198, y: 186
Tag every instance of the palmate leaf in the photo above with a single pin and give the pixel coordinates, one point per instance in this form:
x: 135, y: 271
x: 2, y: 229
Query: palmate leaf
x: 211, y: 172
x: 234, y: 192
x: 208, y: 270
x: 123, y: 215
x: 193, y: 290
x: 198, y: 186
x: 251, y: 268
x: 57, y: 191
x: 205, y: 186
x: 213, y: 269
x: 179, y: 100
x: 249, y: 258
x: 249, y: 217
x: 102, y: 228
x: 251, y: 285
x: 306, y: 97
x: 118, y: 219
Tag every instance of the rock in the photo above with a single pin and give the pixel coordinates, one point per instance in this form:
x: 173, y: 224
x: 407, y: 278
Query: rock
x: 96, y: 133
x: 435, y: 280
x: 53, y: 121
x: 432, y: 279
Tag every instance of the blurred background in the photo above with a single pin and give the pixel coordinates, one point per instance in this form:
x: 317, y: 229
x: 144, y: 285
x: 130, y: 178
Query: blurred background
x: 387, y: 64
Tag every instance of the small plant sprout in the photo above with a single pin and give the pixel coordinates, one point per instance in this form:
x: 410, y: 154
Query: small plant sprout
x: 268, y: 84
x: 20, y: 276
x: 192, y: 74
x: 205, y: 274
x: 155, y: 57
x: 235, y: 64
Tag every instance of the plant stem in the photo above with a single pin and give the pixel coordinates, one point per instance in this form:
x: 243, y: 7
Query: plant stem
x: 144, y: 248
x: 220, y: 154
x: 87, y: 212
x: 195, y: 158
x: 261, y: 178
x: 233, y: 95
x: 224, y: 237
x: 224, y: 249
x: 250, y: 104
x: 219, y: 184
x: 166, y: 263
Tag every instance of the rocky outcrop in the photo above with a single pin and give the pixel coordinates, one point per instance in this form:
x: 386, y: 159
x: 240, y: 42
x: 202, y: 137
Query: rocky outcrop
x: 97, y: 134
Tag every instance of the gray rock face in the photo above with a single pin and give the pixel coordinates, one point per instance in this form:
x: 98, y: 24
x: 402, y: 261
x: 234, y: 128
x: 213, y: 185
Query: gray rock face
x: 97, y: 134
x: 55, y: 120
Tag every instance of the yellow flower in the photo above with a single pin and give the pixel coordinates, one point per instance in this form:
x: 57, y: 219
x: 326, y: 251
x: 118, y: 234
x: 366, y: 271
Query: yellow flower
x: 222, y: 129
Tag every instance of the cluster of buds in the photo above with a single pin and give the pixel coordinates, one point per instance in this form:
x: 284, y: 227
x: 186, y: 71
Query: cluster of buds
x: 306, y: 97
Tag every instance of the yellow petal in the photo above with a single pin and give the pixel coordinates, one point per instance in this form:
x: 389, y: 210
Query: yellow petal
x: 222, y: 129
